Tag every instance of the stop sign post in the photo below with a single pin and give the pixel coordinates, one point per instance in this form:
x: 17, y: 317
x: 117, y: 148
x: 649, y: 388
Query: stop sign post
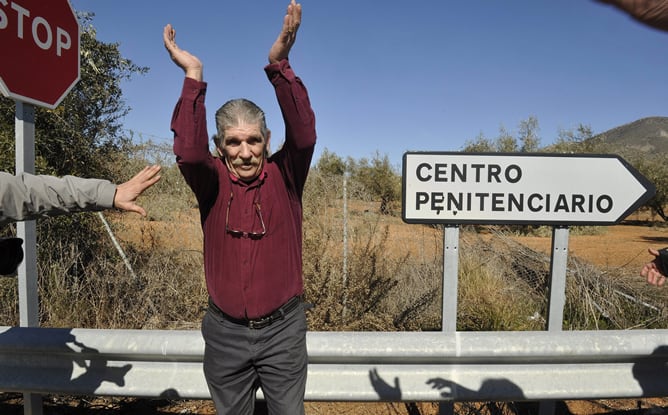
x: 39, y: 65
x: 39, y: 50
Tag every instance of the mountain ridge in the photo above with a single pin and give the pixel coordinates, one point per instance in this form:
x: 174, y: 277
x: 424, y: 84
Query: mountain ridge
x: 648, y: 135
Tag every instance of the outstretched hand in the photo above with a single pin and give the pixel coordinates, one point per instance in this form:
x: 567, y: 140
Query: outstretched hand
x: 653, y: 271
x: 190, y: 64
x: 281, y: 47
x: 128, y: 192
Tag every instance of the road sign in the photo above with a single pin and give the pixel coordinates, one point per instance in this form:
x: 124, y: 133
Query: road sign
x: 39, y: 50
x: 496, y: 188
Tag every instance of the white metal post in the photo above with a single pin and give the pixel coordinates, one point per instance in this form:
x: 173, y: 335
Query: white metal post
x: 557, y: 288
x: 450, y: 289
x: 557, y: 294
x: 27, y: 270
x: 450, y: 278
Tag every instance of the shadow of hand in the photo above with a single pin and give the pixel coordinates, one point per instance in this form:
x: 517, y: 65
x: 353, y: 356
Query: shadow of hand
x: 440, y: 383
x: 384, y: 390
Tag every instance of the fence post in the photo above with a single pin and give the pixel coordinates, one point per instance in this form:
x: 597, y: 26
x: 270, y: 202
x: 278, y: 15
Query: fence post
x: 345, y: 243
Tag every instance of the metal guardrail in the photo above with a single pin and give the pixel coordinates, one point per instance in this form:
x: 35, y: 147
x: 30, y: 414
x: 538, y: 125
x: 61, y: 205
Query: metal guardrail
x: 350, y: 366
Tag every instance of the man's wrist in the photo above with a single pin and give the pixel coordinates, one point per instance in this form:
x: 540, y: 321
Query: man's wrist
x: 196, y: 74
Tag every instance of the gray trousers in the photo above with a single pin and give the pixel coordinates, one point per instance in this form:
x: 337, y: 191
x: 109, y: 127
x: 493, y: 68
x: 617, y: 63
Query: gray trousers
x: 238, y: 360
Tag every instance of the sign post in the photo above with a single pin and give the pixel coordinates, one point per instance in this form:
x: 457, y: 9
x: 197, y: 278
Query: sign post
x: 39, y: 51
x: 496, y: 188
x: 540, y: 189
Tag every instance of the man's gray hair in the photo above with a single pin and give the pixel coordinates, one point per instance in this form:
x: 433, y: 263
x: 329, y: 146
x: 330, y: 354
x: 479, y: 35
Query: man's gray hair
x: 235, y: 112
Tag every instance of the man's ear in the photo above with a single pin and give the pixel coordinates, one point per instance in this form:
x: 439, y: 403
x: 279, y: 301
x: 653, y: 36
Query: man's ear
x: 266, y: 146
x: 220, y: 153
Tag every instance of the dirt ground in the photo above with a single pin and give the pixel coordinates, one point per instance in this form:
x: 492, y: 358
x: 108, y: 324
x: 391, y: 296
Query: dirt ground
x: 11, y: 404
x: 620, y: 246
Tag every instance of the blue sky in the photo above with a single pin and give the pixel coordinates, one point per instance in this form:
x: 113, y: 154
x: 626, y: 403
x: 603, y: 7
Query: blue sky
x: 397, y: 76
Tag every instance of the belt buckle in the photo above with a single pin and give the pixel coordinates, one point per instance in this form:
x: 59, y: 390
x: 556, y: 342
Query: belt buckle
x: 279, y: 314
x: 259, y: 323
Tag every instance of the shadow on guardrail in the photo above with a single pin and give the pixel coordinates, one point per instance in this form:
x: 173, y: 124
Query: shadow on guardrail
x: 419, y: 367
x: 76, y: 367
x: 450, y: 390
x: 652, y: 372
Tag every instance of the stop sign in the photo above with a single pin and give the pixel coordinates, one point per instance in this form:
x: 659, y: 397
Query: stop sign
x: 39, y: 50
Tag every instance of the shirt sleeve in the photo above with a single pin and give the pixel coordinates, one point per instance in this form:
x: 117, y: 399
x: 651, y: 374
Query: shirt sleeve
x: 295, y: 105
x: 26, y: 196
x: 299, y: 119
x: 191, y: 140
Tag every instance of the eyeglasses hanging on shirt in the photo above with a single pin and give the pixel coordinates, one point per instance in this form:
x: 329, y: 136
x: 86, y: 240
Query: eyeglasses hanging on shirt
x: 232, y: 230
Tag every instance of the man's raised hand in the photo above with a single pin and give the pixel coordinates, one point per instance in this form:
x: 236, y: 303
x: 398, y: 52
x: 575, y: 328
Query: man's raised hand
x: 281, y: 47
x: 190, y: 64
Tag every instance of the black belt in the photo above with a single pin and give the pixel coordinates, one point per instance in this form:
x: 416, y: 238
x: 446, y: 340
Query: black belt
x: 261, y: 322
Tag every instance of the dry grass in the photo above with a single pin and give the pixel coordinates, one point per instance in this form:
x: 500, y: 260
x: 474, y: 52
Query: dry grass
x: 387, y: 277
x: 391, y: 279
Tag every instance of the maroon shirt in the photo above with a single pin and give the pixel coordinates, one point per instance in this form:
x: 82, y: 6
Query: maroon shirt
x: 249, y: 277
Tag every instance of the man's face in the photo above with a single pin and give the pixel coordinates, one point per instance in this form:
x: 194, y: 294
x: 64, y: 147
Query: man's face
x: 244, y: 150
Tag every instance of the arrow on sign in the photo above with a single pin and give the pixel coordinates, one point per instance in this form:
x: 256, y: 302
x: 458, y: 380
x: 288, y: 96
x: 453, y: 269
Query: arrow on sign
x: 496, y: 188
